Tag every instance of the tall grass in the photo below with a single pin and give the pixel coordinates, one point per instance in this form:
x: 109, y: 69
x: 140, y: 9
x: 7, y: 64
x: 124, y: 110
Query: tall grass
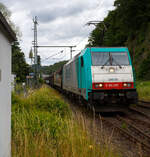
x: 42, y: 126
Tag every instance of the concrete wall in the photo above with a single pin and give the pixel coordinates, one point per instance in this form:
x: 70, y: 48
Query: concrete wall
x: 5, y: 96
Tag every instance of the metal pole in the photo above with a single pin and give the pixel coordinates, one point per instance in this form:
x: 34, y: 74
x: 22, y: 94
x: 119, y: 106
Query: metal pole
x: 35, y: 50
x: 71, y: 52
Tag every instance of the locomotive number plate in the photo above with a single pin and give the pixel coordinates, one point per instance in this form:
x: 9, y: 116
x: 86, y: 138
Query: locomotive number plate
x: 112, y: 85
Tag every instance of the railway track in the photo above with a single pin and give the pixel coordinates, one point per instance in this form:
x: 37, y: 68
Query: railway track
x: 127, y: 127
x: 130, y: 131
x: 143, y: 103
x: 142, y: 107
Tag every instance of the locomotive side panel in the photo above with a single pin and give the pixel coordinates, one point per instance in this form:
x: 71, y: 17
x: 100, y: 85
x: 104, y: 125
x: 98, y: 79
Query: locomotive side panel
x: 85, y: 76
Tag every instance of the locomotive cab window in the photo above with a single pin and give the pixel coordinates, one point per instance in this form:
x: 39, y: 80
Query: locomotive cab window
x: 82, y: 62
x: 109, y: 58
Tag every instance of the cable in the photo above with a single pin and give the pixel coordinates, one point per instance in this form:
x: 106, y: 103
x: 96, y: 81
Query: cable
x: 52, y: 56
x: 59, y: 58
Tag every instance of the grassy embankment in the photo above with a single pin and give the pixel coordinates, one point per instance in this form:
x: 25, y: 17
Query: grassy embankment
x: 42, y: 126
x: 143, y: 88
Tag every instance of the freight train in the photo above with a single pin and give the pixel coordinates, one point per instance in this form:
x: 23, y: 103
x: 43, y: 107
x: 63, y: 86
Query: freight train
x: 99, y: 76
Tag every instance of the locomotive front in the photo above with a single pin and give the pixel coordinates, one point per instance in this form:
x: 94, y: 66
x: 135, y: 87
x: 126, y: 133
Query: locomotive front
x: 112, y: 76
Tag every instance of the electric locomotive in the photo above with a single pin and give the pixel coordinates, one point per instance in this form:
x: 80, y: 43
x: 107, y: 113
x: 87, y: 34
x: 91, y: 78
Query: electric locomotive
x: 101, y: 75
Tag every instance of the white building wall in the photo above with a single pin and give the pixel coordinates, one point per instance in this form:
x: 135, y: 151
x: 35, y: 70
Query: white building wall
x: 5, y: 96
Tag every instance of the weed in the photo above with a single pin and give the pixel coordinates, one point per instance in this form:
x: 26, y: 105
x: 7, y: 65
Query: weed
x: 124, y: 126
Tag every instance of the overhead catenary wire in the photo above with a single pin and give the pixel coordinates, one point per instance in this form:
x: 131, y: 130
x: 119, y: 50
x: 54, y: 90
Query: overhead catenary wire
x: 59, y: 57
x: 53, y: 55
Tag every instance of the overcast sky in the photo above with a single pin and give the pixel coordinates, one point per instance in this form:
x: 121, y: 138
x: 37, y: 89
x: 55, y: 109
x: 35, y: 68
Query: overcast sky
x: 61, y: 22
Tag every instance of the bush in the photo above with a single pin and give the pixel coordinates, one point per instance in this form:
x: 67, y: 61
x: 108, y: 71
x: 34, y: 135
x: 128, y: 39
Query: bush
x: 143, y: 88
x: 42, y: 99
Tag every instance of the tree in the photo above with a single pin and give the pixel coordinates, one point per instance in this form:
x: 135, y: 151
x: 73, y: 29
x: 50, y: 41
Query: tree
x: 52, y: 68
x: 19, y: 65
x: 124, y: 22
x: 127, y: 25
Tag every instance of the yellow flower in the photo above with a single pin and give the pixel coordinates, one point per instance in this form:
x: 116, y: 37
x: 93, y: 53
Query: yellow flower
x: 90, y: 146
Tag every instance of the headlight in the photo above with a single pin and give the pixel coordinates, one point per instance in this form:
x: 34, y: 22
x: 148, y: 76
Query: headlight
x: 98, y: 85
x: 125, y: 84
x: 111, y: 70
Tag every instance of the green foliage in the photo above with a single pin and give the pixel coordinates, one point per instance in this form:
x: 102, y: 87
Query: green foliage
x: 144, y: 69
x: 124, y: 126
x: 127, y: 25
x: 19, y: 65
x: 52, y: 68
x: 40, y: 100
x: 143, y: 88
x: 42, y: 127
x: 41, y: 81
x: 39, y: 114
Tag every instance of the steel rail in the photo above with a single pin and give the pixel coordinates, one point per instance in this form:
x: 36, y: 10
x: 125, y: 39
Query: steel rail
x: 135, y: 128
x: 135, y: 108
x: 142, y: 103
x: 129, y: 135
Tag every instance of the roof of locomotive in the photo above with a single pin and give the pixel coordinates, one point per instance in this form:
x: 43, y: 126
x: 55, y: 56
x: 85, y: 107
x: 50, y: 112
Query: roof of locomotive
x: 98, y: 49
x: 104, y: 49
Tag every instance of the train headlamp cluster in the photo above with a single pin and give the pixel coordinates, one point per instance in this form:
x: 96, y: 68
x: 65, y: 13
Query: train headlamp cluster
x: 111, y: 70
x: 127, y: 84
x: 99, y: 85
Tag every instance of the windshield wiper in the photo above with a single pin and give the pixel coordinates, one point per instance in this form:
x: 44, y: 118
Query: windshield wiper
x: 117, y: 63
x: 105, y: 64
x: 109, y: 60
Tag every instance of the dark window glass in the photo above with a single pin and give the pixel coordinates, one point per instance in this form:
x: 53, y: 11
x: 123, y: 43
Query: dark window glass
x: 109, y: 58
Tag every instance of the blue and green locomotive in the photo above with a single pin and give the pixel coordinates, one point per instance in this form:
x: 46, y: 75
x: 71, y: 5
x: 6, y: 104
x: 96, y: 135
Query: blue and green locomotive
x: 99, y: 75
